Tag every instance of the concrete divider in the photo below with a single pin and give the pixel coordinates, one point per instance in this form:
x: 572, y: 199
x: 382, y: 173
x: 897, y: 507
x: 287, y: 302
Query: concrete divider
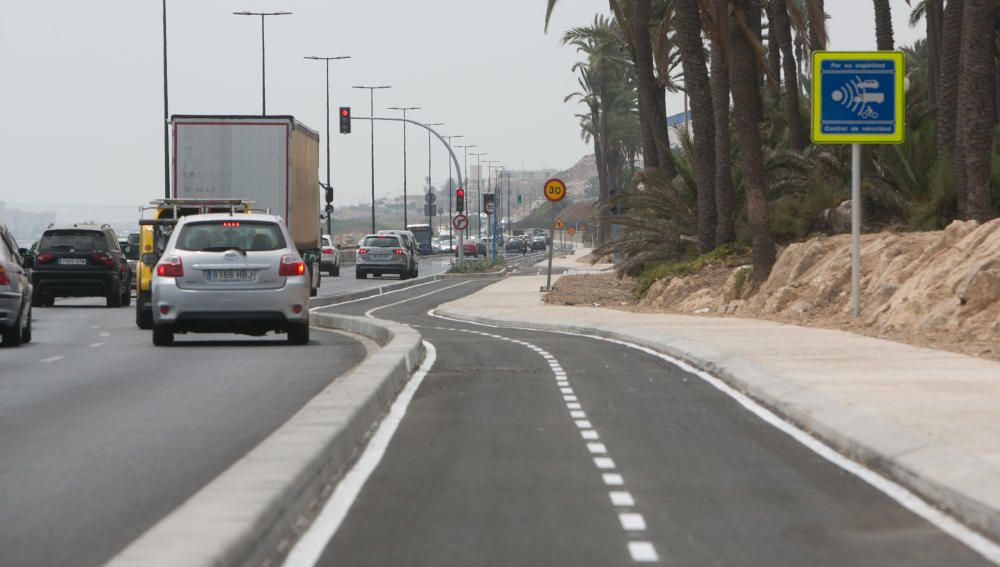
x: 248, y: 514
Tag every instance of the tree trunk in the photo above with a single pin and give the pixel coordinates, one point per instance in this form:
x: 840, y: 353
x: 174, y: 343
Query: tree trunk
x: 753, y: 20
x: 725, y: 194
x: 951, y: 38
x: 687, y: 30
x: 743, y: 82
x: 935, y: 12
x: 610, y: 170
x: 817, y: 25
x: 783, y: 33
x: 976, y: 100
x: 883, y: 26
x: 602, y: 174
x: 652, y: 104
x: 773, y: 56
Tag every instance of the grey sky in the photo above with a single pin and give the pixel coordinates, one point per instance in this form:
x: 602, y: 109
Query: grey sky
x: 82, y: 84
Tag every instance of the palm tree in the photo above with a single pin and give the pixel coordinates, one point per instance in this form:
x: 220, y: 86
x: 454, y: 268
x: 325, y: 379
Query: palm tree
x: 783, y: 33
x: 725, y: 193
x: 976, y: 94
x: 883, y: 25
x: 652, y: 111
x: 932, y: 11
x: 687, y: 26
x: 947, y: 107
x: 745, y: 89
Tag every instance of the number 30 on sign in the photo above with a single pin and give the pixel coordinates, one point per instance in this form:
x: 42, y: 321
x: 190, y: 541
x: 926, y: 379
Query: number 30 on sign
x: 555, y: 189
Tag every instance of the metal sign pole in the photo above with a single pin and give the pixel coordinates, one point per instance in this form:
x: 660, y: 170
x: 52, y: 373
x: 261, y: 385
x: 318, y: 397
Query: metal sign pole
x: 552, y: 241
x: 855, y: 228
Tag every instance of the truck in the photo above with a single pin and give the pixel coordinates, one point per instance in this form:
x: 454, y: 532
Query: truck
x: 270, y: 160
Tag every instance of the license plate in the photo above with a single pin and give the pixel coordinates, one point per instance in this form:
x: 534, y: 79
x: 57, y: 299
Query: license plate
x: 379, y: 256
x: 74, y: 261
x: 230, y: 275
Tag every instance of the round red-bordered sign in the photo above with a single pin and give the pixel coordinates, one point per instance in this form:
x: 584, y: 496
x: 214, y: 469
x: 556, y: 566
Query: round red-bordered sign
x: 554, y: 189
x: 460, y: 222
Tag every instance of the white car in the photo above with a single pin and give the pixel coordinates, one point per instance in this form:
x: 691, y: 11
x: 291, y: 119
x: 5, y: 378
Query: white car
x: 222, y: 273
x: 330, y: 261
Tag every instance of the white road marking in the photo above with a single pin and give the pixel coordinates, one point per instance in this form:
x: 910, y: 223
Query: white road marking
x: 566, y: 390
x: 583, y: 424
x: 105, y: 334
x: 589, y: 435
x: 604, y: 463
x: 642, y: 552
x: 572, y: 405
x: 374, y: 309
x: 632, y: 522
x: 96, y: 345
x: 312, y: 543
x: 52, y: 359
x: 621, y: 498
x: 569, y: 398
x: 373, y: 296
x: 612, y: 479
x: 578, y: 414
x: 597, y: 448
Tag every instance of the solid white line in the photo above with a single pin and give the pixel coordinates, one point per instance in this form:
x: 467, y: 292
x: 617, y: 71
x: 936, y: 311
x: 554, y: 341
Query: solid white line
x: 374, y: 309
x: 642, y: 552
x: 621, y: 498
x: 308, y: 549
x: 632, y: 522
x: 897, y: 492
x: 52, y: 359
x: 373, y: 296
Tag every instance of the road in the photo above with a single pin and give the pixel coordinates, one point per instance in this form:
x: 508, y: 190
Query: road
x: 534, y: 448
x: 346, y: 282
x: 101, y: 434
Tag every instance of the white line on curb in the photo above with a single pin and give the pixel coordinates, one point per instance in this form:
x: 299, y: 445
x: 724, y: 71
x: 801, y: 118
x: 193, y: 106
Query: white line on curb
x: 312, y: 543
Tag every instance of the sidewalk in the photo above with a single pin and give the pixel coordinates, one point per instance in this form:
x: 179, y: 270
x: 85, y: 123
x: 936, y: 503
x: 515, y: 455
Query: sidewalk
x: 928, y: 419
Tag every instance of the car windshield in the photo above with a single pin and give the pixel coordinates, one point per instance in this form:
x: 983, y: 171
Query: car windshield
x: 217, y: 236
x: 72, y: 240
x: 382, y: 242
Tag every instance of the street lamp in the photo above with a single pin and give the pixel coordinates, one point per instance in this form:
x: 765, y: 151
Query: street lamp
x: 450, y: 196
x: 166, y: 113
x: 371, y: 91
x: 489, y: 170
x: 465, y: 176
x: 430, y: 186
x: 405, y: 203
x: 479, y: 205
x: 329, y: 215
x: 263, y: 65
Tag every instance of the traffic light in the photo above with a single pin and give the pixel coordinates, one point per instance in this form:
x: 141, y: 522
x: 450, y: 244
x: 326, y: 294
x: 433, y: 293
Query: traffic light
x: 329, y: 194
x: 460, y: 200
x: 345, y: 119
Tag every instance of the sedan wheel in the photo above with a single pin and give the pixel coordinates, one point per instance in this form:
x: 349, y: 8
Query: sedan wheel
x: 163, y: 335
x: 298, y: 334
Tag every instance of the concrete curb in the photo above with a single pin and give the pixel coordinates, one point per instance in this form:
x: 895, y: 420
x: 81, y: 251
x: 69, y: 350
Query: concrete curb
x: 959, y: 483
x: 248, y: 514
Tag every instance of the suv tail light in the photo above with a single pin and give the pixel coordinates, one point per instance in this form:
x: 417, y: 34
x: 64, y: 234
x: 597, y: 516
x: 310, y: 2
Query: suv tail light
x: 171, y: 267
x: 4, y: 280
x: 291, y: 266
x: 102, y: 258
x: 362, y: 250
x: 397, y: 251
x: 44, y: 258
x: 328, y: 250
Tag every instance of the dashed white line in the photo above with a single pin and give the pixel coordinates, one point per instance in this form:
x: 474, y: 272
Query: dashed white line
x: 621, y: 497
x: 597, y: 448
x: 632, y: 522
x: 583, y: 424
x: 589, y: 435
x: 105, y: 334
x: 577, y: 414
x: 612, y: 479
x: 52, y: 359
x: 604, y: 463
x: 96, y: 345
x: 642, y: 552
x: 573, y: 405
x: 566, y: 390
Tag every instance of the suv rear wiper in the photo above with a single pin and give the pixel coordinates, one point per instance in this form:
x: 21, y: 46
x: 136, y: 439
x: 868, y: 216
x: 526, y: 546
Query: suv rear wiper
x: 224, y: 249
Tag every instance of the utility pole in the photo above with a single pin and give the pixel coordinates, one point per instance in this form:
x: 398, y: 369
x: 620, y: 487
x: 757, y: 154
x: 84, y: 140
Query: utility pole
x: 466, y: 177
x: 451, y: 244
x: 479, y: 199
x: 371, y: 92
x: 326, y: 60
x: 263, y: 62
x: 166, y: 113
x: 405, y: 203
x: 430, y: 186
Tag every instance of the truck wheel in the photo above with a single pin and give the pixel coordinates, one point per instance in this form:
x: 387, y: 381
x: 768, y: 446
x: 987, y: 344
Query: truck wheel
x: 298, y: 334
x: 163, y: 335
x: 143, y: 317
x: 114, y: 298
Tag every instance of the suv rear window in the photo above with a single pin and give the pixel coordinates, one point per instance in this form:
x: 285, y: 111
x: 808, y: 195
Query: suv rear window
x: 218, y: 236
x: 382, y: 242
x: 71, y: 240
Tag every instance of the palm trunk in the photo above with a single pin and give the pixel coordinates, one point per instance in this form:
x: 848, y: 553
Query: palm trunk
x: 817, y: 25
x: 783, y: 32
x: 743, y: 82
x: 773, y: 55
x: 753, y: 20
x: 725, y: 194
x: 975, y: 102
x: 652, y: 104
x: 951, y: 38
x: 602, y: 174
x: 687, y: 24
x: 883, y: 25
x: 935, y: 12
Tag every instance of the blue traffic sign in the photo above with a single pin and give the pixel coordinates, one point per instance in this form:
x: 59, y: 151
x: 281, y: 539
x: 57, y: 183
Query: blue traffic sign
x: 858, y: 97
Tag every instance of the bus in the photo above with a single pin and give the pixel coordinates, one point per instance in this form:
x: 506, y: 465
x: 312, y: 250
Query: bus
x: 423, y: 234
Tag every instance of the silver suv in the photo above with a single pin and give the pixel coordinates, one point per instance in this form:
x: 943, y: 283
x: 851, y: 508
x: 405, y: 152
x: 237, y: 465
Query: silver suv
x: 230, y: 273
x: 409, y: 240
x: 386, y: 253
x: 15, y: 291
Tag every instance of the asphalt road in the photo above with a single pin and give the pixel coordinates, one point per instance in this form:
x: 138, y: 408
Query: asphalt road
x: 346, y: 282
x: 102, y: 434
x: 491, y: 466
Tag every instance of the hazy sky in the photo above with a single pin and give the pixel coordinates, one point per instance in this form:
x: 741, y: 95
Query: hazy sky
x: 81, y: 87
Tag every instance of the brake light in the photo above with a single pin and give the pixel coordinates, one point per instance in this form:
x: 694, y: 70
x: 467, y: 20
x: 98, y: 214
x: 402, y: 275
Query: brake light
x: 328, y: 250
x: 44, y: 258
x: 231, y: 224
x: 291, y: 266
x: 3, y: 276
x: 102, y: 258
x: 362, y: 250
x: 397, y: 251
x: 171, y: 267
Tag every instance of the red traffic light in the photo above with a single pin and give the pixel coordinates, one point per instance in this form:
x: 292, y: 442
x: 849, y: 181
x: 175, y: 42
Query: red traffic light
x: 343, y: 112
x: 460, y: 193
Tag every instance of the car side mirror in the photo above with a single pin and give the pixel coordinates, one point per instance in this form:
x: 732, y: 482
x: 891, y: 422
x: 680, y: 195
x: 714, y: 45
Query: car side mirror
x: 27, y: 258
x: 150, y: 259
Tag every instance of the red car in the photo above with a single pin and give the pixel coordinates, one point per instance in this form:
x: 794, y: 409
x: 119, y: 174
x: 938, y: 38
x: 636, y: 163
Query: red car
x: 469, y: 247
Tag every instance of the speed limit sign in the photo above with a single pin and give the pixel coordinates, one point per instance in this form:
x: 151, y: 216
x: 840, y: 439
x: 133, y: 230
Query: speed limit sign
x: 555, y: 189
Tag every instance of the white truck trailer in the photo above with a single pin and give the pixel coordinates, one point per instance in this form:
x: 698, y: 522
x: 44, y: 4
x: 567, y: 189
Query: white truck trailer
x: 270, y: 160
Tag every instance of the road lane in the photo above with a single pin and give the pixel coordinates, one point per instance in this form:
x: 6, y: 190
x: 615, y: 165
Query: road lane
x: 491, y: 466
x: 97, y: 443
x: 346, y: 282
